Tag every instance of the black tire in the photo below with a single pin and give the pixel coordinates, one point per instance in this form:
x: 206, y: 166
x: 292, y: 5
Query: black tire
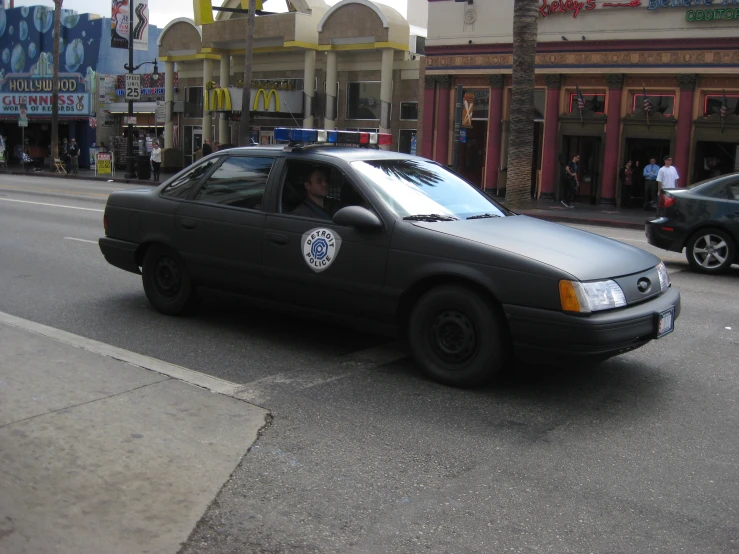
x: 167, y: 283
x: 457, y: 336
x: 711, y: 251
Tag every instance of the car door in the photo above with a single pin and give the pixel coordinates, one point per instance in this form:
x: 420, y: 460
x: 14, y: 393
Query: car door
x: 733, y: 208
x: 315, y: 263
x: 219, y: 229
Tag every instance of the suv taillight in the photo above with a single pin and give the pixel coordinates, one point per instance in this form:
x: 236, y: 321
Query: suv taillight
x: 666, y: 200
x: 105, y: 222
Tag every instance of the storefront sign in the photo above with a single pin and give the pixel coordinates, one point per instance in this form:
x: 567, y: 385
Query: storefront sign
x: 69, y: 104
x: 654, y: 4
x: 218, y: 100
x: 104, y: 163
x: 713, y: 15
x: 129, y: 120
x: 39, y: 85
x: 565, y: 6
x: 279, y: 102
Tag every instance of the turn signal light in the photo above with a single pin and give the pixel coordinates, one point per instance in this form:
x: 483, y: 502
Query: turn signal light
x: 105, y: 222
x: 568, y: 297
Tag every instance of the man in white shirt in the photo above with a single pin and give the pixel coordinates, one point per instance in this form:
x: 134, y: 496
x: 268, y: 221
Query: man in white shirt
x: 667, y: 176
x: 156, y: 159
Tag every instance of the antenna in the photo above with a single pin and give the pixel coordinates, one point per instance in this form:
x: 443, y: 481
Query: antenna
x: 291, y: 115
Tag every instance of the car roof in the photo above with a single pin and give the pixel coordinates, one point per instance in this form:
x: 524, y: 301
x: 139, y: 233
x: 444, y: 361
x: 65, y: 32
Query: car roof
x: 344, y: 153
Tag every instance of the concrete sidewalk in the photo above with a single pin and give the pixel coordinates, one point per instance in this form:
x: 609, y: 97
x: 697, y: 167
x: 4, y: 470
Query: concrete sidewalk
x: 103, y: 450
x: 588, y: 214
x: 88, y: 175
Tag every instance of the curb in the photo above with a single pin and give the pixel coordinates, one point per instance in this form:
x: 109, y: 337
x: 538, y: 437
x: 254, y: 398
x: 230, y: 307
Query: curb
x: 589, y: 221
x: 48, y: 174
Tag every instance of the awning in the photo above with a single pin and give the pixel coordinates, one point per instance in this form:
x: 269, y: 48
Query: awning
x: 138, y: 107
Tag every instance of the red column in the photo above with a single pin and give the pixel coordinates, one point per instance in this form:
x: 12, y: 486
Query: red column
x: 549, y: 163
x: 495, y: 130
x: 429, y: 108
x: 681, y: 156
x: 442, y: 120
x: 613, y: 139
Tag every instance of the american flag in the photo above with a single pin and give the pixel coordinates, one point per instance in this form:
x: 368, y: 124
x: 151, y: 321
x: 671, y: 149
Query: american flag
x: 724, y: 106
x: 647, y: 103
x: 580, y: 99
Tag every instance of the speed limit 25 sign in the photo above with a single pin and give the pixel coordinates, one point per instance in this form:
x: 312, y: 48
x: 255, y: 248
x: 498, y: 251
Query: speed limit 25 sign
x: 133, y: 86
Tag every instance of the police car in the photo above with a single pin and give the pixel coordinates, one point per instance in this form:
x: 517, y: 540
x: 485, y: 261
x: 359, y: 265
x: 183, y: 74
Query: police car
x: 326, y: 226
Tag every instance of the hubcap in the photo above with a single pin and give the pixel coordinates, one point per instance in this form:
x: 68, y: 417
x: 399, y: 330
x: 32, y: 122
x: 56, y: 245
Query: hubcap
x: 167, y: 276
x: 710, y: 251
x: 453, y: 336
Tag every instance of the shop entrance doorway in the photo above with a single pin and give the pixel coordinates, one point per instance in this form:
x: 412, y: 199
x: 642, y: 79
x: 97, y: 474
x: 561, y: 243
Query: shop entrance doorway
x: 589, y: 175
x: 715, y: 158
x: 639, y: 151
x: 472, y: 153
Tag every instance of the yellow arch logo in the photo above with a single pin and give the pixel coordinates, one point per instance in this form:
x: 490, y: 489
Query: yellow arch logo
x: 203, y: 10
x: 266, y: 97
x: 219, y: 100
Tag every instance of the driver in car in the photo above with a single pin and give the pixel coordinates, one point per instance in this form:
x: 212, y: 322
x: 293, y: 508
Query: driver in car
x: 316, y: 189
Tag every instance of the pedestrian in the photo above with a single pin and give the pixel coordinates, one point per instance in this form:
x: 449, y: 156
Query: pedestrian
x: 667, y: 177
x: 64, y: 155
x: 207, y: 148
x: 74, y: 156
x: 627, y: 183
x: 571, y: 182
x: 156, y: 159
x: 650, y: 183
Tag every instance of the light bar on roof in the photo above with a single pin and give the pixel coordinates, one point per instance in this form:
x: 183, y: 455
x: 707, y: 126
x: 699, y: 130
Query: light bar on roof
x: 286, y: 134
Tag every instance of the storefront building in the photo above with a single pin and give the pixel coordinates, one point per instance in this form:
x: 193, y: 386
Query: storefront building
x: 26, y: 69
x: 682, y: 58
x: 348, y: 66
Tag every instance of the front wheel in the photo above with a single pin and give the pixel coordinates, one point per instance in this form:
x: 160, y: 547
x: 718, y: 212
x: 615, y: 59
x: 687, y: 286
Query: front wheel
x: 167, y: 283
x: 457, y: 336
x: 710, y: 251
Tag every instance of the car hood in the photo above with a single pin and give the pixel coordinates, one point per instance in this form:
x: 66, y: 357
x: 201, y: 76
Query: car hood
x: 583, y: 255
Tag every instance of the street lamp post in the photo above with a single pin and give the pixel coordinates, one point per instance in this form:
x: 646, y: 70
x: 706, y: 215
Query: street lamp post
x: 130, y: 174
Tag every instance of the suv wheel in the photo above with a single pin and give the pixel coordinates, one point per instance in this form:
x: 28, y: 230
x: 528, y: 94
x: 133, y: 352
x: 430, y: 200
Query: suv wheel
x: 456, y: 336
x: 166, y: 282
x: 710, y: 251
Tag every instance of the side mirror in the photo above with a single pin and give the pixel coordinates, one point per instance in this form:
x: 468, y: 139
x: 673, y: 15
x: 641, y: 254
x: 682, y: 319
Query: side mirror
x: 357, y: 216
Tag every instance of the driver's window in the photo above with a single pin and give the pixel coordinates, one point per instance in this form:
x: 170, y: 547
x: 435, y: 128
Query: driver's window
x: 317, y: 191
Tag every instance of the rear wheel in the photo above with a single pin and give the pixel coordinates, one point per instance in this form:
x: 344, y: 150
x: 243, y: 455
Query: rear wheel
x: 166, y: 282
x: 710, y: 251
x: 457, y: 336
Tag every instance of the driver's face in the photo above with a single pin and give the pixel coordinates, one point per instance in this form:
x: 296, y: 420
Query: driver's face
x: 317, y: 185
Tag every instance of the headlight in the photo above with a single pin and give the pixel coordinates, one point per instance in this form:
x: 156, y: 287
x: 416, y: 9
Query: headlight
x: 664, y: 278
x: 590, y: 297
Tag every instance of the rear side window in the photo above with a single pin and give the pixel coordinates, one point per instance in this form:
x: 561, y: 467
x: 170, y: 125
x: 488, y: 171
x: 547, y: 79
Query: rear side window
x: 183, y: 185
x: 734, y: 188
x: 239, y: 182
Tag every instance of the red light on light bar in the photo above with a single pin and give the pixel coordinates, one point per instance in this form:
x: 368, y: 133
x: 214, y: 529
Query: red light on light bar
x: 364, y: 138
x: 384, y: 139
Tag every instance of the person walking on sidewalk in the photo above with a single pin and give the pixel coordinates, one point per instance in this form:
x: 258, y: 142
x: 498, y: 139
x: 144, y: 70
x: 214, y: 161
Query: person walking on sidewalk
x: 74, y: 156
x: 650, y: 183
x: 627, y: 183
x: 572, y: 183
x: 156, y: 160
x: 667, y: 177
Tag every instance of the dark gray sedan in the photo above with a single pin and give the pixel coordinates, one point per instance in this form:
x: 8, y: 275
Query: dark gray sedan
x: 395, y: 240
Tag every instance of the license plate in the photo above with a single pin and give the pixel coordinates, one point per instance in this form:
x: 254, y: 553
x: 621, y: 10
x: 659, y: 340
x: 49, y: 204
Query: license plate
x: 666, y: 322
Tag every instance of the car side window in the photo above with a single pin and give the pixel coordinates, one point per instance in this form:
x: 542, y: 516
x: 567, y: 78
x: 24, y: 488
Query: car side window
x: 183, y: 185
x: 238, y: 182
x: 317, y: 191
x: 734, y: 188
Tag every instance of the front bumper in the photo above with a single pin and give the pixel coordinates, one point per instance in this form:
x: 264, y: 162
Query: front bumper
x: 120, y: 253
x: 546, y: 335
x: 667, y: 240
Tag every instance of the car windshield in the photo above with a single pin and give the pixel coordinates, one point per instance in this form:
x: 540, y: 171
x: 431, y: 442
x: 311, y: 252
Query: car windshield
x: 421, y: 190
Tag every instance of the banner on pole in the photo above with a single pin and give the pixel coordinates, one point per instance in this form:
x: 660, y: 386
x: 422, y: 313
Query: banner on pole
x: 141, y: 25
x: 119, y: 22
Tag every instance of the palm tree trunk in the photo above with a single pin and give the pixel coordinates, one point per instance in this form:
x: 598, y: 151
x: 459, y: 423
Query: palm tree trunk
x: 246, y: 94
x: 521, y: 141
x: 55, y: 83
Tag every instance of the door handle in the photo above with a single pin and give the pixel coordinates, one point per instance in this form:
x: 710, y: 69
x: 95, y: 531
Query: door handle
x: 280, y: 240
x: 187, y: 224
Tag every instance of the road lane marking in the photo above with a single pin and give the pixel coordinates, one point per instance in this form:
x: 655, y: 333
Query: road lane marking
x: 52, y: 205
x: 213, y: 384
x: 53, y: 191
x: 82, y: 240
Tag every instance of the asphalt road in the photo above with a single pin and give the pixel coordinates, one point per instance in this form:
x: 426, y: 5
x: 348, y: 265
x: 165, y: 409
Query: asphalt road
x: 637, y: 454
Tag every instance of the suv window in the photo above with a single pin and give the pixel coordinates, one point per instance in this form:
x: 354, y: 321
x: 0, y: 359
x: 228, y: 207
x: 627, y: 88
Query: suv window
x: 239, y: 182
x: 181, y: 186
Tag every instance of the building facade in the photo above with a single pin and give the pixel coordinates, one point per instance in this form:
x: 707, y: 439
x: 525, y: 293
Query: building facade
x: 26, y: 68
x: 348, y: 66
x: 682, y: 57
